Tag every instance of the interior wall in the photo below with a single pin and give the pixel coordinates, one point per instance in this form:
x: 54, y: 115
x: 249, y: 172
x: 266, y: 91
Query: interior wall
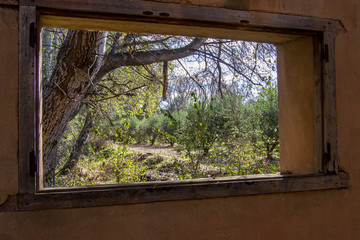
x: 296, y: 106
x: 8, y: 101
x: 331, y: 214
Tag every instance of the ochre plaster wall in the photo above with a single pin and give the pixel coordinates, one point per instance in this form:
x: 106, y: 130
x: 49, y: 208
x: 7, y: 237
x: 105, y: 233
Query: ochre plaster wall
x: 296, y: 106
x: 333, y: 214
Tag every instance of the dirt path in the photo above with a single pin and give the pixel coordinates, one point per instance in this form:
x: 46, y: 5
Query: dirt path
x: 155, y: 149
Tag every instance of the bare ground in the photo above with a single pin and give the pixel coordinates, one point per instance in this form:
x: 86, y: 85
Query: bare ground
x: 158, y: 149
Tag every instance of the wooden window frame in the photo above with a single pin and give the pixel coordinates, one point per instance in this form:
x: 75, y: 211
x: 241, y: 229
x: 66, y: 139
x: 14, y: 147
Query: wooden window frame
x: 31, y: 197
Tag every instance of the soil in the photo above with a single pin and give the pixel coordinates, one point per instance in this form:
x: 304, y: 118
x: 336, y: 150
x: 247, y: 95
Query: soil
x: 155, y: 149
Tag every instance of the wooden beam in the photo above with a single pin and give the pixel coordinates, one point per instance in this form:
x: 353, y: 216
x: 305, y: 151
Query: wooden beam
x: 9, y: 2
x: 27, y: 109
x: 318, y: 103
x: 136, y: 24
x: 190, y: 12
x: 329, y: 91
x: 183, y: 190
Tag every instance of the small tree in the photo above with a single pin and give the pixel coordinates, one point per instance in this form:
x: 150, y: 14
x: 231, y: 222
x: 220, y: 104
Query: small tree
x: 170, y: 126
x: 269, y: 125
x: 152, y: 126
x: 203, y: 125
x: 263, y: 121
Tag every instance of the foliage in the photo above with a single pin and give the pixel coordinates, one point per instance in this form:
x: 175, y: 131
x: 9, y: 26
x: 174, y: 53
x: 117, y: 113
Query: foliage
x: 121, y: 160
x: 222, y: 114
x: 203, y: 125
x: 170, y: 126
x: 113, y: 164
x: 152, y: 126
x: 262, y: 118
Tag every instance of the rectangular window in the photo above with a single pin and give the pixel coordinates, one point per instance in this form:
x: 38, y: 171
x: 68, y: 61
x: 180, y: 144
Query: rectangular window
x: 131, y: 93
x: 133, y: 107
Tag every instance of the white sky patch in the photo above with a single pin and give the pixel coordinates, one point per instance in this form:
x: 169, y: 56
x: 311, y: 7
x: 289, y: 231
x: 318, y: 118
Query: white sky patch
x: 261, y: 71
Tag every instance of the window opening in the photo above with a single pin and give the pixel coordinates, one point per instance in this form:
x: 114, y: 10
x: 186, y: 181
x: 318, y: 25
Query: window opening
x: 133, y: 107
x: 308, y: 111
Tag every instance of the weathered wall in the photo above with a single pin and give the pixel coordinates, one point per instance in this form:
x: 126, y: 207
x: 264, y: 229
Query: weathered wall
x: 333, y: 214
x: 296, y: 106
x: 8, y: 101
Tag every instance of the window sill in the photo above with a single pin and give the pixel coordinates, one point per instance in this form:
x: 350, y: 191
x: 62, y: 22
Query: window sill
x: 59, y: 198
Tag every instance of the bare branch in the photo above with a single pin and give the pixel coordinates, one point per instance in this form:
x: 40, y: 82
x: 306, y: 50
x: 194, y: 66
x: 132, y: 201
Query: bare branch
x: 114, y: 96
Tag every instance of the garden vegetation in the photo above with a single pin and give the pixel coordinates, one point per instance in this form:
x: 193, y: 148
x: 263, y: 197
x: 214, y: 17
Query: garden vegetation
x: 157, y: 108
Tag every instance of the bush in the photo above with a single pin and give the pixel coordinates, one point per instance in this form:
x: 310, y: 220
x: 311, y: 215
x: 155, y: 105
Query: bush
x: 152, y: 127
x: 123, y: 162
x: 170, y: 126
x: 203, y: 125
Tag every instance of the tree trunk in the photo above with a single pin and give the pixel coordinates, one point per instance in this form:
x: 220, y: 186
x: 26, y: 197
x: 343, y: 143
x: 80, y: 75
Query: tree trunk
x: 80, y: 141
x: 47, y: 55
x: 77, y: 62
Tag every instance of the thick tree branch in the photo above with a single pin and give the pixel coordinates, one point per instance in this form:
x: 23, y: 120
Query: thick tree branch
x: 120, y: 59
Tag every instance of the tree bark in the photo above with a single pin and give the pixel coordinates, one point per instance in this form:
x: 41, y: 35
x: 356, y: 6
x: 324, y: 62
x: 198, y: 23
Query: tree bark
x: 77, y: 63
